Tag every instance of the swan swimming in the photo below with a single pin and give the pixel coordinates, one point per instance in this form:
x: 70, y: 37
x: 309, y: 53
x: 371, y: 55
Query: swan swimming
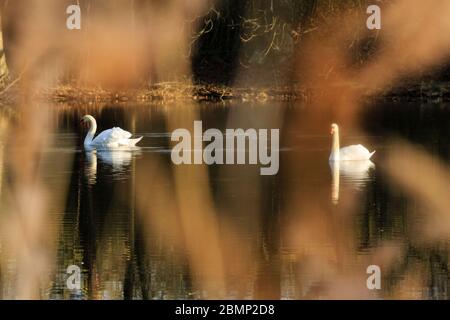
x: 110, y: 138
x: 350, y: 153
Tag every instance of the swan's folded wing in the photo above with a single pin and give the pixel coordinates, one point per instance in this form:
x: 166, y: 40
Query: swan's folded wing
x: 354, y: 152
x: 118, y: 134
x: 112, y: 136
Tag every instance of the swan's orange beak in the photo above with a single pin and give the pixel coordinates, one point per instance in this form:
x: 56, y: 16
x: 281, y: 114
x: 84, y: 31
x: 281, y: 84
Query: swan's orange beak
x: 331, y: 131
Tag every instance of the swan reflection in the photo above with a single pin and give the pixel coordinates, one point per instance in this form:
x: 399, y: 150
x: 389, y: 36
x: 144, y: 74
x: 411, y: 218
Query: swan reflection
x: 353, y: 173
x: 118, y: 159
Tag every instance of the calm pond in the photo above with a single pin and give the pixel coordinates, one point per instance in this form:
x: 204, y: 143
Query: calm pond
x: 141, y: 228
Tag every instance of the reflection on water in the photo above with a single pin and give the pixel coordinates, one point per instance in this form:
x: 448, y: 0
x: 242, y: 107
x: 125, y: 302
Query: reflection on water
x: 117, y: 159
x: 355, y: 173
x: 278, y: 237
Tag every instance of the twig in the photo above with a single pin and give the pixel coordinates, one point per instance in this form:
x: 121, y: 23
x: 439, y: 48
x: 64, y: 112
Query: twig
x: 12, y: 83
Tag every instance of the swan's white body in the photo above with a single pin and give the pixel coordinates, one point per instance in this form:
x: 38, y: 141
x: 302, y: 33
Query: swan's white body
x: 111, y: 138
x: 350, y: 153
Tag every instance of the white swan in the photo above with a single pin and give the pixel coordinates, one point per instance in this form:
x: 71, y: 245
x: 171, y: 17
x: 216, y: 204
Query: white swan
x: 111, y: 138
x: 350, y: 153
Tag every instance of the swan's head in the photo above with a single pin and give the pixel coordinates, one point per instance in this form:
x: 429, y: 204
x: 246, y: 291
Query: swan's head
x: 87, y: 119
x: 334, y: 128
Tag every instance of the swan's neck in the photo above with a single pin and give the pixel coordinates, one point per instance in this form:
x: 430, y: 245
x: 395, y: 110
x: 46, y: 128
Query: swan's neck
x: 335, y: 146
x: 91, y: 133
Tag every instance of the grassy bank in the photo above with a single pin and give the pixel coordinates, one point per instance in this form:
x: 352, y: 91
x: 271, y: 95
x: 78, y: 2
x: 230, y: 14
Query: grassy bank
x: 179, y: 91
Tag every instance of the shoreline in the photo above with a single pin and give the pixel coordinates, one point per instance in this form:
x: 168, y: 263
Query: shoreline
x: 428, y: 91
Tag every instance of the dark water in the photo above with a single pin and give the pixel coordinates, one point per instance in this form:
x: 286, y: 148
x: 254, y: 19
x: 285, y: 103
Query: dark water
x: 295, y: 235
